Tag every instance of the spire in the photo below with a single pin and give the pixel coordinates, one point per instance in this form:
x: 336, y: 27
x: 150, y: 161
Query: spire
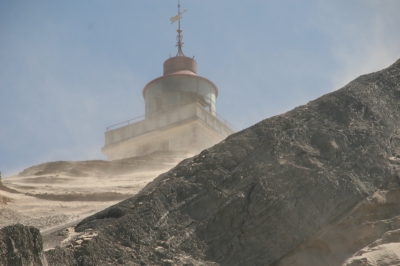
x: 179, y: 42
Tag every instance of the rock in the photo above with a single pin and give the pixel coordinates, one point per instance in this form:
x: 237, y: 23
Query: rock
x: 168, y: 262
x: 60, y: 257
x: 318, y: 185
x: 160, y: 251
x: 273, y: 194
x: 21, y: 246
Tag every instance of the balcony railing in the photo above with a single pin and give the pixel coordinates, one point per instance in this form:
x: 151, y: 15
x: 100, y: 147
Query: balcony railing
x: 125, y: 123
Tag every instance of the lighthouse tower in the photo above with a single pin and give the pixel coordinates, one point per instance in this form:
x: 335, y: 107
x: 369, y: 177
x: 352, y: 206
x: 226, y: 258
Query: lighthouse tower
x: 180, y: 113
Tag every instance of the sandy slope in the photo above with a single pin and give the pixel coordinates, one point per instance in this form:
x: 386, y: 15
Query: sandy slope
x: 53, y: 195
x: 383, y: 252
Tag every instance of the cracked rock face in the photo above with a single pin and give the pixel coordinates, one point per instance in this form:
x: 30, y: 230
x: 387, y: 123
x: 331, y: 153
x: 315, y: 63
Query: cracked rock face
x: 21, y: 246
x: 265, y: 194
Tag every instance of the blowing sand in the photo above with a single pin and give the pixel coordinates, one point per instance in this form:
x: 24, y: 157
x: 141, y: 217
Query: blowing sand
x: 56, y: 195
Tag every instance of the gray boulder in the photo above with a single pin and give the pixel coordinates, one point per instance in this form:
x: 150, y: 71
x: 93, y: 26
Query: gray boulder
x: 21, y: 246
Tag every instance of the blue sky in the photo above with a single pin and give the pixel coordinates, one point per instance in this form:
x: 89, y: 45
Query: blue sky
x: 69, y: 69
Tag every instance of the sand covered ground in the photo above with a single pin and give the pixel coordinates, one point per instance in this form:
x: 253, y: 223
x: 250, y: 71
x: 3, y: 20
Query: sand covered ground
x: 54, y: 195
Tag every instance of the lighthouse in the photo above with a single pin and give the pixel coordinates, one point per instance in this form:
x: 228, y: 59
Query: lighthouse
x: 180, y: 113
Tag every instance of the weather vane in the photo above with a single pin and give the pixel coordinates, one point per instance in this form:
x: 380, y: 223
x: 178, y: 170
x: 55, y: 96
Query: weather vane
x: 178, y: 17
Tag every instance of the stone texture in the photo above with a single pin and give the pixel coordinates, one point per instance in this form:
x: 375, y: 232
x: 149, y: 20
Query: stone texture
x: 21, y: 246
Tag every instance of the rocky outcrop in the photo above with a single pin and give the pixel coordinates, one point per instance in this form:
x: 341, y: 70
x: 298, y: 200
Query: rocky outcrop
x: 272, y: 194
x: 21, y: 246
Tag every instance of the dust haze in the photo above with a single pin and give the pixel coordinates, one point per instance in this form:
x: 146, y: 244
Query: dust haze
x: 54, y: 195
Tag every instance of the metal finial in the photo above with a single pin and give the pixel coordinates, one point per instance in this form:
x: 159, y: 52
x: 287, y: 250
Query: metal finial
x: 179, y: 42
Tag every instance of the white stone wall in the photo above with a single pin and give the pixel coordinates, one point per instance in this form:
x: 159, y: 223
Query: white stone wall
x: 189, y: 128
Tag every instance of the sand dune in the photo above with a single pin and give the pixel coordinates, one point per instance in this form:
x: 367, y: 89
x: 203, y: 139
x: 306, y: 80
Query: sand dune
x: 53, y: 195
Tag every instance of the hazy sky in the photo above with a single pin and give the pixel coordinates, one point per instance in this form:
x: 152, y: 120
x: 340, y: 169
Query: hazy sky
x: 69, y: 69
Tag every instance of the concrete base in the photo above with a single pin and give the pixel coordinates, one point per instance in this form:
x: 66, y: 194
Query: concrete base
x: 189, y: 128
x: 193, y: 137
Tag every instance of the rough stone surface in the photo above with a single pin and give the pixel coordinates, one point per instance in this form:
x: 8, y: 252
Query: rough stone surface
x: 269, y: 194
x: 21, y: 246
